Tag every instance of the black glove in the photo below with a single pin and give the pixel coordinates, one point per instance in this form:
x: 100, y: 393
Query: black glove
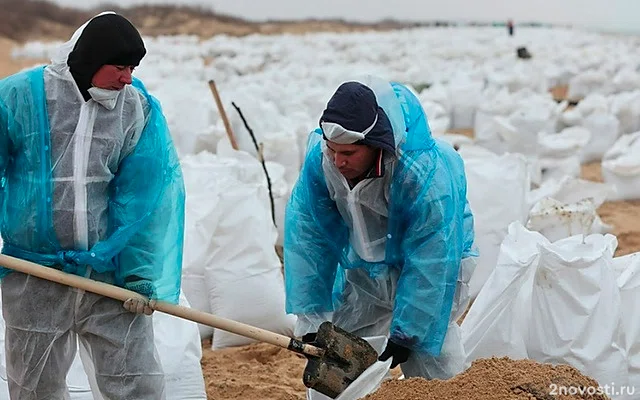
x: 309, y: 337
x: 399, y: 353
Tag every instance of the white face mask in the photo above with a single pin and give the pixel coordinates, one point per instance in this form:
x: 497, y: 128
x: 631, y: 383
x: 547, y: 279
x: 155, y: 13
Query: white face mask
x: 341, y: 135
x: 108, y: 98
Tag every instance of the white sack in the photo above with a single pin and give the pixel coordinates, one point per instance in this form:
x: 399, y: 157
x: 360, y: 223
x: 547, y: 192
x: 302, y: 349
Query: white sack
x: 487, y: 175
x: 573, y: 190
x: 201, y: 217
x: 571, y: 117
x: 551, y: 302
x: 195, y: 290
x: 627, y: 270
x: 465, y: 96
x: 576, y: 307
x: 243, y: 273
x: 236, y: 238
x: 556, y: 220
x: 567, y: 143
x: 593, y: 103
x: 626, y: 107
x: 588, y: 82
x: 494, y: 104
x: 558, y: 168
x: 621, y: 167
x: 439, y: 94
x: 498, y: 318
x: 567, y: 207
x: 605, y: 130
x: 280, y: 186
x: 528, y: 123
x: 498, y: 134
x: 626, y: 80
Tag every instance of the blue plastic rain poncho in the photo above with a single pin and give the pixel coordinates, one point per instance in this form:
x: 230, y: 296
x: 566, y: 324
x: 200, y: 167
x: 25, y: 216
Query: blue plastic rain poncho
x: 131, y: 223
x: 429, y: 230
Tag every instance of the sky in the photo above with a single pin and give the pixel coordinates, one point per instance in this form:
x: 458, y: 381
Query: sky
x: 612, y: 15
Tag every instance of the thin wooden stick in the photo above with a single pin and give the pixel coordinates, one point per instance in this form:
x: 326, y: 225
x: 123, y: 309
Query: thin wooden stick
x: 223, y: 114
x: 260, y: 151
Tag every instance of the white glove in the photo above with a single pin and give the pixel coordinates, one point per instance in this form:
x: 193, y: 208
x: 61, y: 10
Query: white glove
x: 139, y: 306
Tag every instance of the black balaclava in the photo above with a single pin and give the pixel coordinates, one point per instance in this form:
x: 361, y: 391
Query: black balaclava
x: 108, y: 39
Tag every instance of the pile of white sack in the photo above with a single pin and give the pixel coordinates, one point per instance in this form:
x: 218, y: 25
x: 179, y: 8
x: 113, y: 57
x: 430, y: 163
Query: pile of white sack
x: 471, y: 79
x: 557, y: 208
x: 230, y: 266
x: 567, y: 301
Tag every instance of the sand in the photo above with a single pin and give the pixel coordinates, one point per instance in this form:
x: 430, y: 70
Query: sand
x: 623, y: 215
x: 262, y: 371
x: 257, y: 371
x: 497, y: 379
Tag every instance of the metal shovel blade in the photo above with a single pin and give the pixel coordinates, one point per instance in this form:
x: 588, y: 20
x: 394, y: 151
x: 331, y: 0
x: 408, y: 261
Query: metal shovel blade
x: 345, y: 358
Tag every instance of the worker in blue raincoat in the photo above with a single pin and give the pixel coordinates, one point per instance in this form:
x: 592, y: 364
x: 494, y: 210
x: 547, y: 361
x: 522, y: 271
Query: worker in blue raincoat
x: 90, y: 184
x: 378, y: 231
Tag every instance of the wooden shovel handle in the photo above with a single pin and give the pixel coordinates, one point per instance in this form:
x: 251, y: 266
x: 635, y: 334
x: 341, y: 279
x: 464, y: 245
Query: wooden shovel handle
x: 187, y: 313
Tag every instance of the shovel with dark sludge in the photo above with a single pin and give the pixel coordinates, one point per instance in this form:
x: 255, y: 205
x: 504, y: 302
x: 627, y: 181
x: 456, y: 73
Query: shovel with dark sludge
x: 335, y: 359
x: 344, y: 359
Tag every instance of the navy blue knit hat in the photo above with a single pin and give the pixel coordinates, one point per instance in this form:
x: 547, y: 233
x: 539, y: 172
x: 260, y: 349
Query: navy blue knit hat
x: 353, y: 116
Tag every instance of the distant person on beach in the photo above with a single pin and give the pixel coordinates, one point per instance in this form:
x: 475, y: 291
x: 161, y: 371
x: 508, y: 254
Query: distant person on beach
x: 90, y: 184
x: 378, y: 231
x: 510, y: 27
